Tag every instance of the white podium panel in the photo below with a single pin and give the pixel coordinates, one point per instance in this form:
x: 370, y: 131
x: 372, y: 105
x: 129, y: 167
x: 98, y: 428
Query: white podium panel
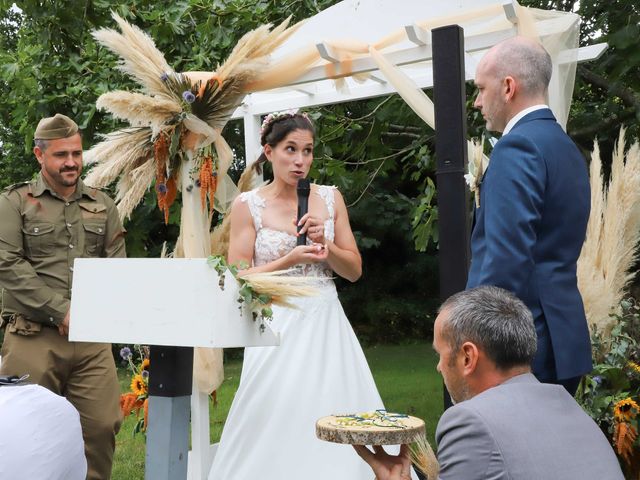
x: 160, y: 301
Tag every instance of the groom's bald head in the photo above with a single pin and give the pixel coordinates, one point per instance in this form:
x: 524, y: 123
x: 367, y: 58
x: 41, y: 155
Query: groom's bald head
x: 512, y: 76
x: 523, y: 59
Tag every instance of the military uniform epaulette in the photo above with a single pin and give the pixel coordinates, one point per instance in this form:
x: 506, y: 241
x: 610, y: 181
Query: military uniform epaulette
x: 16, y: 185
x: 94, y: 191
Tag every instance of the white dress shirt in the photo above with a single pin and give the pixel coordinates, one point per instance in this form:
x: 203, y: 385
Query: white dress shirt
x: 516, y: 118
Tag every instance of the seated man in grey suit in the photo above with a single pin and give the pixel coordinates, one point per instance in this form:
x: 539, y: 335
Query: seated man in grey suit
x: 505, y: 424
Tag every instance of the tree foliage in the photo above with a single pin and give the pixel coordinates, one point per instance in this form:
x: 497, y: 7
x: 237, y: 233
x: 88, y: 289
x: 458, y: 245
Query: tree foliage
x: 377, y: 151
x: 607, y: 92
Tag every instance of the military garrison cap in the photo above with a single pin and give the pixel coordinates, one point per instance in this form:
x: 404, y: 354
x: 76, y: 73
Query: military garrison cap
x: 58, y: 126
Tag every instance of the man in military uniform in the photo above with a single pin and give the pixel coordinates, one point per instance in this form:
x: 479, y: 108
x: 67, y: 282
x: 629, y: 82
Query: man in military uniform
x: 45, y: 225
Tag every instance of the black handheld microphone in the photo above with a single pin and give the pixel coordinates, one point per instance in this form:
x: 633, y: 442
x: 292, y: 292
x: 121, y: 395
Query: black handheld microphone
x: 303, y: 206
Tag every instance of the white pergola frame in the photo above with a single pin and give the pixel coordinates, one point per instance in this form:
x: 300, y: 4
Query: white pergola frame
x: 312, y: 89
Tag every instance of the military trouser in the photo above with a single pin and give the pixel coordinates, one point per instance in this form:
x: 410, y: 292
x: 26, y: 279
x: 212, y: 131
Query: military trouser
x: 84, y: 373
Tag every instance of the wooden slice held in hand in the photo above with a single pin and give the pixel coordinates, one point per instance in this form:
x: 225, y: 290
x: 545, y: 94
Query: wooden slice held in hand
x: 338, y: 430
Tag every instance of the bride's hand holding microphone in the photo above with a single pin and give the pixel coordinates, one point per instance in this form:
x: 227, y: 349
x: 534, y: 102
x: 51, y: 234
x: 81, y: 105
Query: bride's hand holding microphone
x: 312, y: 227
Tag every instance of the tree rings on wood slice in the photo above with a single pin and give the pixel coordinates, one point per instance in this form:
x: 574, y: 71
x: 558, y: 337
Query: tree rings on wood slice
x: 370, y: 428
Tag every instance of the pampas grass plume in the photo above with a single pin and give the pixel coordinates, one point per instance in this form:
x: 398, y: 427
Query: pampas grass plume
x: 138, y: 109
x: 132, y: 187
x: 610, y: 248
x: 140, y: 58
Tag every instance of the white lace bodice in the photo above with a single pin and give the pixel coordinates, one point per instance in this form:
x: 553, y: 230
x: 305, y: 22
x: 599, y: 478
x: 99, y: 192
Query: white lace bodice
x: 272, y: 244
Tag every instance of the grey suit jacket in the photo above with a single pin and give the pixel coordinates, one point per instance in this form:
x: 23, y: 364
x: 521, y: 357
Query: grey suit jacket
x: 523, y: 430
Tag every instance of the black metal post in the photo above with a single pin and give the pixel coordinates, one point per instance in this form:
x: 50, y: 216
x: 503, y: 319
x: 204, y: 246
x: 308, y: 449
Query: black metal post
x: 451, y: 154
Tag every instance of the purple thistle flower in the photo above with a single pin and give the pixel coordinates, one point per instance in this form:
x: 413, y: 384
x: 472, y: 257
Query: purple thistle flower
x: 145, y: 374
x: 162, y: 188
x: 164, y: 77
x: 597, y: 379
x: 125, y: 353
x: 188, y: 96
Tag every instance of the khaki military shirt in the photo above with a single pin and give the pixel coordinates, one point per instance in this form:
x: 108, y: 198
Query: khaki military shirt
x: 41, y: 234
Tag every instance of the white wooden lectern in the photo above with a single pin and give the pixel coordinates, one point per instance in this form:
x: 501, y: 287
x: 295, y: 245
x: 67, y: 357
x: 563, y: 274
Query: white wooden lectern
x: 165, y: 302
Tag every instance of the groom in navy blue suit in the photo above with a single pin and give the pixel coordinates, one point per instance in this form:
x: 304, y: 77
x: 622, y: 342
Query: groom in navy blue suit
x: 534, y: 208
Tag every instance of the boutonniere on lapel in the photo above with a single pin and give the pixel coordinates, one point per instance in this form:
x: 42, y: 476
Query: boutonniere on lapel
x: 478, y: 163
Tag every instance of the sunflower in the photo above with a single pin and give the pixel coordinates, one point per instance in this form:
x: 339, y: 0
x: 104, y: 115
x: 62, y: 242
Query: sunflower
x: 626, y: 410
x: 138, y: 385
x: 146, y: 362
x: 634, y: 366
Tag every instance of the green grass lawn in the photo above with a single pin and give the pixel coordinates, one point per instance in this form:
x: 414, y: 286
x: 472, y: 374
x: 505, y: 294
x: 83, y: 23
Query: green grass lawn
x: 405, y: 374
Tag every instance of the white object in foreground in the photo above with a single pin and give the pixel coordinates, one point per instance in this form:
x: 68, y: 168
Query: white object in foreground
x: 40, y: 435
x: 160, y: 301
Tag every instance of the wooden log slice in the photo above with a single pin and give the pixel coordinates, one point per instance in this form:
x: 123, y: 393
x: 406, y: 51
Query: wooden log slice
x: 370, y: 429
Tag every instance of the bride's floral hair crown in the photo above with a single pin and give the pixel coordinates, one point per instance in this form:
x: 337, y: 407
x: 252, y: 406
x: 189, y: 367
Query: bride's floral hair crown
x: 272, y: 118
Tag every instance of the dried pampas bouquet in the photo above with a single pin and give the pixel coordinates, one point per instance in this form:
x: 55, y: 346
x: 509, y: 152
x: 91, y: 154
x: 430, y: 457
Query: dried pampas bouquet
x: 173, y: 114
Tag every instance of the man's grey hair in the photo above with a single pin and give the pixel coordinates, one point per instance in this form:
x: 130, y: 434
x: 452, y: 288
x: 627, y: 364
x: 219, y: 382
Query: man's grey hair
x: 44, y: 144
x: 41, y: 144
x: 495, y: 320
x: 528, y: 62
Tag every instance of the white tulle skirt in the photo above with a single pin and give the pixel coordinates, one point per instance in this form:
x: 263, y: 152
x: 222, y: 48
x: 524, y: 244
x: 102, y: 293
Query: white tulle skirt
x: 319, y: 369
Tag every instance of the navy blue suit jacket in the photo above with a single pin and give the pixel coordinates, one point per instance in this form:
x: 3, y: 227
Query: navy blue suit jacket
x: 528, y: 233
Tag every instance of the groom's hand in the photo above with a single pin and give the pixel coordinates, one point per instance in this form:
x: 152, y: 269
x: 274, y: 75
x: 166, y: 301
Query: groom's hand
x: 385, y: 466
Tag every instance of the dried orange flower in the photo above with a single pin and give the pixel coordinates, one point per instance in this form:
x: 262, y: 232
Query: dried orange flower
x: 129, y: 402
x: 624, y: 435
x: 208, y: 181
x: 145, y: 407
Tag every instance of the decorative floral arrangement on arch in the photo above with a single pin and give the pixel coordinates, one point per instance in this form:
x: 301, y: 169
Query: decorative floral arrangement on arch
x: 174, y: 115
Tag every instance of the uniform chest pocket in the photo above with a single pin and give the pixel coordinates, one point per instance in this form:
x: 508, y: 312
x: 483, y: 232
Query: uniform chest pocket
x: 94, y: 220
x: 93, y: 239
x: 39, y: 239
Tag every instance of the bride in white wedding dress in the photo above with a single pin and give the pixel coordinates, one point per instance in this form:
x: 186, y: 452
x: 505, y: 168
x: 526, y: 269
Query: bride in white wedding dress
x: 319, y: 368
